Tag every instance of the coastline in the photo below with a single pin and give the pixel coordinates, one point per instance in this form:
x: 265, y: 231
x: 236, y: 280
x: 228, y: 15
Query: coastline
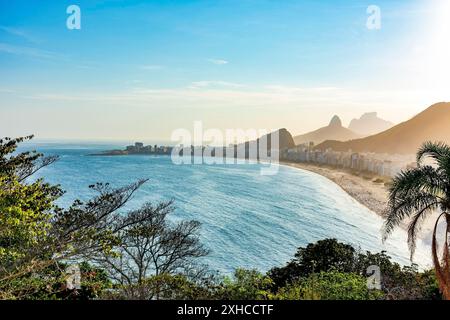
x: 369, y: 190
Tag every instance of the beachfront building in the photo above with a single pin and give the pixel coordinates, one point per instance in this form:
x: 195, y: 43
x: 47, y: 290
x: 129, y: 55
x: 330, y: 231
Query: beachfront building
x: 379, y: 164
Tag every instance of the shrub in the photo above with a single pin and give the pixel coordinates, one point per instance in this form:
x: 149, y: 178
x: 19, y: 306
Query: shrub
x: 245, y: 285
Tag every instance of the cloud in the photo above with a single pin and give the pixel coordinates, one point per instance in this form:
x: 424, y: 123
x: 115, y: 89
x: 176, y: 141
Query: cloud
x: 19, y: 33
x: 209, y: 83
x: 280, y: 100
x: 5, y: 90
x: 212, y: 94
x: 151, y: 67
x: 218, y: 61
x: 133, y: 81
x: 26, y: 51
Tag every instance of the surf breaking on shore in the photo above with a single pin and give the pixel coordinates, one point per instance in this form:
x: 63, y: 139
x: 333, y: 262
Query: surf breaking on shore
x: 370, y: 192
x: 372, y: 195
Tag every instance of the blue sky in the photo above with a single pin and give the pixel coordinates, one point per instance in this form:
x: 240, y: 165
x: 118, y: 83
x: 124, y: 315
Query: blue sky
x: 140, y: 69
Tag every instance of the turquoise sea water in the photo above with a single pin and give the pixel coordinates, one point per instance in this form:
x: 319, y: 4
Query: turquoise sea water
x: 248, y: 220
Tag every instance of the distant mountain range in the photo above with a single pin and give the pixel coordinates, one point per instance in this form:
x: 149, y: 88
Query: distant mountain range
x: 334, y: 131
x: 369, y: 124
x: 433, y: 124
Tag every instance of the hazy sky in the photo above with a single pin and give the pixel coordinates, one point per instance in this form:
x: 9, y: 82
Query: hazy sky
x: 140, y: 69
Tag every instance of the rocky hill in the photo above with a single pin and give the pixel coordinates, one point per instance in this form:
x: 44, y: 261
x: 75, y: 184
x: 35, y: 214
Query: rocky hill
x: 334, y: 131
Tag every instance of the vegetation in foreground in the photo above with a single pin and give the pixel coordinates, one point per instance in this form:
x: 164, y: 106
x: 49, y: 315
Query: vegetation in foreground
x: 141, y: 255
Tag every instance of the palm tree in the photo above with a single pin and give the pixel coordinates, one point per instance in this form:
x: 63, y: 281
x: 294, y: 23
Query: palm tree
x: 417, y: 193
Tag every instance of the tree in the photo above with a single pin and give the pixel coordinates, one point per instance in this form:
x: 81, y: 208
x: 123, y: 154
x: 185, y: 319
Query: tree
x: 323, y: 255
x: 245, y: 285
x: 67, y: 236
x: 25, y: 208
x: 36, y: 236
x: 93, y: 282
x: 151, y: 246
x: 415, y: 194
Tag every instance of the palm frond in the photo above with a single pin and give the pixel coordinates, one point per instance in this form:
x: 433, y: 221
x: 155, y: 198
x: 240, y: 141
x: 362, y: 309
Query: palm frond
x: 402, y: 207
x: 413, y: 192
x: 435, y: 150
x: 414, y: 226
x: 424, y: 178
x: 440, y: 153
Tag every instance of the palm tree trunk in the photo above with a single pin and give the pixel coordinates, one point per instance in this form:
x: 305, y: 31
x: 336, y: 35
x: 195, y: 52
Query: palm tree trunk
x: 446, y: 258
x: 442, y: 266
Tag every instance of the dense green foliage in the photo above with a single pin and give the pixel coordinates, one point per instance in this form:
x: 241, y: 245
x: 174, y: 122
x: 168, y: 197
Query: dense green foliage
x: 245, y: 285
x: 25, y: 208
x: 331, y: 285
x: 321, y: 256
x: 396, y: 282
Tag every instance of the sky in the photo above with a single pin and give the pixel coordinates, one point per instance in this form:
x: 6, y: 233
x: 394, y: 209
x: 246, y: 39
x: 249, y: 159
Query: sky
x: 139, y: 70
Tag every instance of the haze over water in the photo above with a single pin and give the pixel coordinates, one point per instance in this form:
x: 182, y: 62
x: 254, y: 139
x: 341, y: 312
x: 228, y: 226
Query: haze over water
x: 248, y: 220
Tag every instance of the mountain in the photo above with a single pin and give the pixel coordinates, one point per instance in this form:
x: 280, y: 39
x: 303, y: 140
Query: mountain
x: 285, y: 139
x: 334, y: 131
x: 247, y: 148
x: 369, y: 124
x: 433, y: 124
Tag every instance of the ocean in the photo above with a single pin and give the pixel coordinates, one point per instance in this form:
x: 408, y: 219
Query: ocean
x: 248, y: 220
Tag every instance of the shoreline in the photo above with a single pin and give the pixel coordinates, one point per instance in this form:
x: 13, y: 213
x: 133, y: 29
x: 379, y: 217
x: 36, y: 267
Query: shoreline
x: 368, y: 190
